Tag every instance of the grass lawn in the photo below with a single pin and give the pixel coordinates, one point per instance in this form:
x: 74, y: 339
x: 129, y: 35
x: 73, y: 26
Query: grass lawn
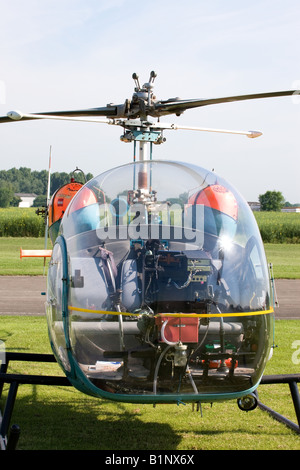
x: 63, y: 418
x: 284, y: 257
x: 10, y: 262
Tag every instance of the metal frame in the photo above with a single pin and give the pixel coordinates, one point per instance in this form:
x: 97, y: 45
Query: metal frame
x: 8, y: 441
x: 9, y: 437
x: 292, y: 380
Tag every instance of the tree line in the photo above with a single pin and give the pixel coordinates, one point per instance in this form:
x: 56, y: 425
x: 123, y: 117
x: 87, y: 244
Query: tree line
x: 25, y: 180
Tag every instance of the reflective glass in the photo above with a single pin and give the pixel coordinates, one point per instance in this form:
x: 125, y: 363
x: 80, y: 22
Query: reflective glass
x: 169, y: 287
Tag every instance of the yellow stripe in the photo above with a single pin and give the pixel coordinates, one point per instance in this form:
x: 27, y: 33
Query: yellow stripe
x: 185, y: 315
x: 205, y: 315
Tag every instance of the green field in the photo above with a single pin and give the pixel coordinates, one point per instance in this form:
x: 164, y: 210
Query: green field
x: 284, y: 257
x: 21, y: 222
x: 279, y: 227
x: 23, y: 228
x: 53, y: 417
x: 275, y: 227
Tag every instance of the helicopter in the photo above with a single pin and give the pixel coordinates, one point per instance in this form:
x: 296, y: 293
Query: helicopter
x: 158, y: 287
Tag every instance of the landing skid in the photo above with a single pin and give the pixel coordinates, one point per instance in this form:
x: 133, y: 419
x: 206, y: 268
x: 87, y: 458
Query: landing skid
x: 9, y: 437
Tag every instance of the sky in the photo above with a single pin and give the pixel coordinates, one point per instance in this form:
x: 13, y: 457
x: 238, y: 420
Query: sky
x: 73, y: 54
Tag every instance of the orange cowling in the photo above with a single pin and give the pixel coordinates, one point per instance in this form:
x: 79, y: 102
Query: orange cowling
x: 60, y: 201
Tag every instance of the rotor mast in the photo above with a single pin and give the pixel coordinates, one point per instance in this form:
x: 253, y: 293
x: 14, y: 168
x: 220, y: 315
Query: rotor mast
x: 139, y: 131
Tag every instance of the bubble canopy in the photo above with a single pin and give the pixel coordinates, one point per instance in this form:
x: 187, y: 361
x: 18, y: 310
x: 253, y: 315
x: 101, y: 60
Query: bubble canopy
x: 158, y: 287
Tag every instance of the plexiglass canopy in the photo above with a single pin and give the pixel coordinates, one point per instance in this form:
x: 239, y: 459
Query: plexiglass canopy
x: 165, y: 293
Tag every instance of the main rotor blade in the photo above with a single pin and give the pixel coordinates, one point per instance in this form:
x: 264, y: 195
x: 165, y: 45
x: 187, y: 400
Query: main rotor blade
x: 113, y: 111
x: 157, y: 109
x: 179, y: 106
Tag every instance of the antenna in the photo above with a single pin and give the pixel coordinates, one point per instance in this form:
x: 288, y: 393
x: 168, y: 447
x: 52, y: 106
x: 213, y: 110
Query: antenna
x: 48, y: 200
